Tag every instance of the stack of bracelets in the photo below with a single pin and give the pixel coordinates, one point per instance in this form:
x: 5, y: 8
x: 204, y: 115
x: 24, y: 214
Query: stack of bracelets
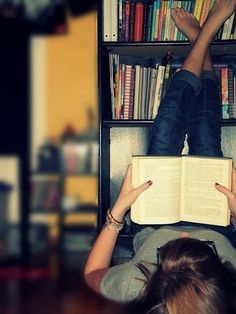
x: 111, y: 221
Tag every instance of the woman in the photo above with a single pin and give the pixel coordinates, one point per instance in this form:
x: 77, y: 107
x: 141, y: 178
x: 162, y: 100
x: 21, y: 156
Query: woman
x: 184, y: 109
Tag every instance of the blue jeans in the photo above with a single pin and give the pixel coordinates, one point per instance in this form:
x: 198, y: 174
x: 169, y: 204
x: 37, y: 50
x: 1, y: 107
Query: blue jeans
x: 190, y: 106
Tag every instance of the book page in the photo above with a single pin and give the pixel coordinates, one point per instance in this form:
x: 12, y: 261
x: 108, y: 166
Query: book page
x: 159, y: 204
x: 201, y: 202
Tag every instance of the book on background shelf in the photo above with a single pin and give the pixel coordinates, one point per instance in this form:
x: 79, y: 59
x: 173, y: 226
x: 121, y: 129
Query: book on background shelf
x: 137, y: 88
x: 183, y: 189
x: 150, y: 20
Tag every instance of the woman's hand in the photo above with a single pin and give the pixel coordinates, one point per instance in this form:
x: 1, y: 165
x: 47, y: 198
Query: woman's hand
x: 128, y: 194
x: 231, y: 195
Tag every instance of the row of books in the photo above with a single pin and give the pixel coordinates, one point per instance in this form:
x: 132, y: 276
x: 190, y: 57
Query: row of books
x: 137, y: 90
x: 45, y: 195
x: 149, y: 20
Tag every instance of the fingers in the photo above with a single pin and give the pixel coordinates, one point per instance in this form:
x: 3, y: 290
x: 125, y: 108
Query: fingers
x: 224, y: 190
x: 128, y: 174
x: 143, y: 187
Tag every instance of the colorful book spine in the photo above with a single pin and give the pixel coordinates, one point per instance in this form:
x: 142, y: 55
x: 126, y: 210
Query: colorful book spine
x: 127, y: 21
x: 131, y: 100
x: 224, y: 92
x: 154, y: 21
x: 138, y: 24
x: 127, y: 89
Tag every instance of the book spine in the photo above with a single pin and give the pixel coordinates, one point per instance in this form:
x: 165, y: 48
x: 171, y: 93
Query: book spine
x: 127, y: 21
x: 158, y: 91
x: 198, y: 9
x: 138, y: 25
x: 231, y: 92
x: 205, y: 10
x: 224, y: 92
x: 157, y: 17
x: 127, y: 88
x: 164, y: 20
x: 234, y: 97
x: 111, y: 56
x: 114, y: 24
x: 131, y: 100
x: 132, y: 15
x: 160, y: 21
x: 120, y: 20
x: 231, y: 21
x: 233, y: 27
x: 123, y: 21
x: 152, y: 91
x: 145, y: 13
x: 106, y: 20
x: 154, y: 21
x: 150, y: 21
x: 136, y: 91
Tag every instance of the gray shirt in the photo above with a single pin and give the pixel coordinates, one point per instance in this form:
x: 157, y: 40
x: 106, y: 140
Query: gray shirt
x: 124, y: 282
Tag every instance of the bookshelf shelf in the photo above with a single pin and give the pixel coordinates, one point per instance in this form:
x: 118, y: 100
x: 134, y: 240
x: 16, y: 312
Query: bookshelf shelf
x: 148, y: 123
x: 180, y: 48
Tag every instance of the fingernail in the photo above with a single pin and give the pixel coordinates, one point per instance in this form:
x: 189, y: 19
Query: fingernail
x: 150, y: 182
x: 216, y: 183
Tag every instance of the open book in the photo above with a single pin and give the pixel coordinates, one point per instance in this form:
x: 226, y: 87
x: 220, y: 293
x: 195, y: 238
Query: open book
x: 182, y: 190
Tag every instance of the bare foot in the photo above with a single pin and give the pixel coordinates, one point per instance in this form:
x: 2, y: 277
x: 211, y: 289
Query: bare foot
x: 186, y: 22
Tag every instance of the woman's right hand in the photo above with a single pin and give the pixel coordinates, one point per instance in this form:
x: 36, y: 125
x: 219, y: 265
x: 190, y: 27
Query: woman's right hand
x: 128, y: 194
x: 231, y: 195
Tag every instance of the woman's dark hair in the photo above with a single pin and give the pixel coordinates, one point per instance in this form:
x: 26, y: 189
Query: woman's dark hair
x: 190, y: 279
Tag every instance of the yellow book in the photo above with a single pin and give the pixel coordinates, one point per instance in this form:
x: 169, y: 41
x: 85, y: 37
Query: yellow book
x: 182, y: 190
x: 205, y: 10
x: 198, y: 9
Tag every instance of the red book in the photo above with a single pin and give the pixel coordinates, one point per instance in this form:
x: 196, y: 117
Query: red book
x: 138, y: 23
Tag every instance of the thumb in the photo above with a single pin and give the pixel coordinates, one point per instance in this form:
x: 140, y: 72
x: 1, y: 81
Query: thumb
x: 143, y: 187
x: 223, y: 190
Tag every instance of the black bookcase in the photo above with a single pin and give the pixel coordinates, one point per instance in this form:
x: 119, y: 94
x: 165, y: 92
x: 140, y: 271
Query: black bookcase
x: 114, y: 150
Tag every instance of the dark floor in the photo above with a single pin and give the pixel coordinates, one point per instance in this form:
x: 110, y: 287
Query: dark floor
x: 59, y: 288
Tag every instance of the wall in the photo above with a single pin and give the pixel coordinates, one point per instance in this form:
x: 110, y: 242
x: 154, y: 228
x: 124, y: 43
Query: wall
x: 71, y: 75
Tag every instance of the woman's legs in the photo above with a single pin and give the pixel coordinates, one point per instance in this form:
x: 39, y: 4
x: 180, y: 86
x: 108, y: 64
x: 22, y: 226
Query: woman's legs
x: 170, y: 125
x: 203, y: 126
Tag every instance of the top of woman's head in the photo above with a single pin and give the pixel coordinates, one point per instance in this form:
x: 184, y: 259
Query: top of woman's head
x: 190, y: 278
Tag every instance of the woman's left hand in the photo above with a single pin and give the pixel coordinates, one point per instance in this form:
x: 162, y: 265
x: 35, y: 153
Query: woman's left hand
x: 128, y: 194
x: 231, y: 195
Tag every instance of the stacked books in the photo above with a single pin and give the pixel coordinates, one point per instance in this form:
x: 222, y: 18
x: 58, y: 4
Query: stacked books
x: 137, y: 89
x: 149, y: 20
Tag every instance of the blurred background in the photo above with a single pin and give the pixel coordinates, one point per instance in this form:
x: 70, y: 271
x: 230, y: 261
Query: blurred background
x: 48, y: 133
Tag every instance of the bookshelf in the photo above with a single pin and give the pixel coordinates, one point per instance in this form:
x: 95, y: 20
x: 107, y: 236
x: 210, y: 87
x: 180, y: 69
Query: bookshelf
x: 120, y: 139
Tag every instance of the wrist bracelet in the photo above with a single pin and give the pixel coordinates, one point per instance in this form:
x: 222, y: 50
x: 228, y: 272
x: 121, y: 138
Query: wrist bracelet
x: 118, y: 227
x: 109, y: 214
x: 111, y: 221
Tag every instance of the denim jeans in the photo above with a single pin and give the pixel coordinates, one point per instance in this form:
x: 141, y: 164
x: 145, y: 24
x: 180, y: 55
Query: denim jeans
x: 190, y: 106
